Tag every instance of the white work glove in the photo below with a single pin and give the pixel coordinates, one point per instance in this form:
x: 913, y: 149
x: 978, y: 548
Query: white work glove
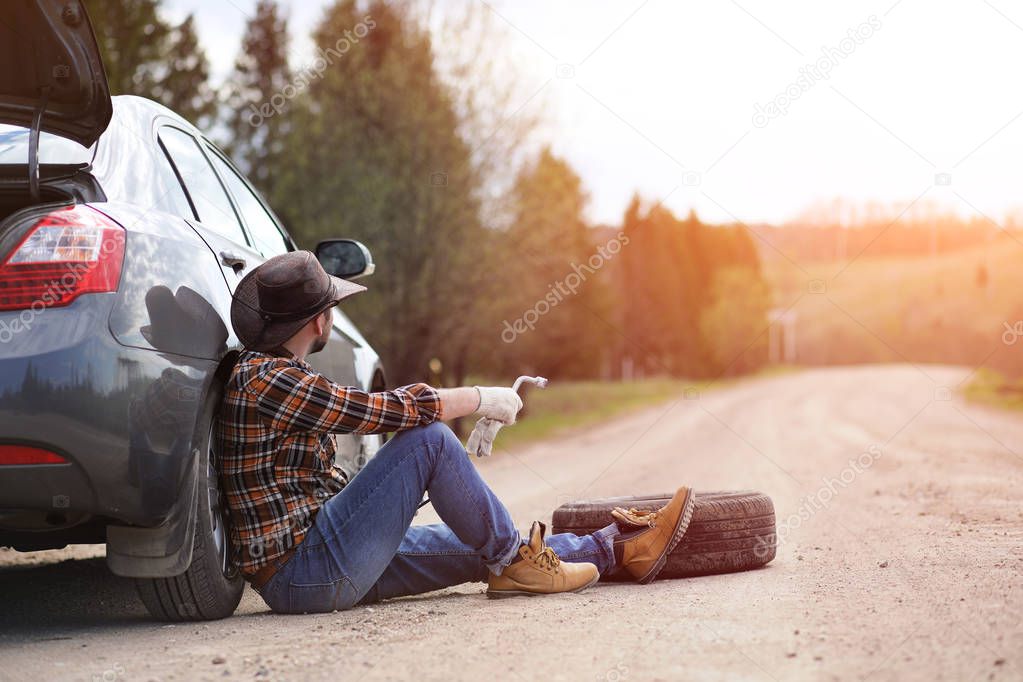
x: 498, y: 403
x: 481, y: 440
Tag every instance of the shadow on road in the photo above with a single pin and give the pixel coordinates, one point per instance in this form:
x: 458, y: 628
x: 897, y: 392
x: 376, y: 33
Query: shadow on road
x: 44, y: 602
x: 79, y: 597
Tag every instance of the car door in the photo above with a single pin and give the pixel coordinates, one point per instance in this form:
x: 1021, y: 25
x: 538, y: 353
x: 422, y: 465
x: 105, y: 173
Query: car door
x: 268, y: 239
x: 337, y: 360
x: 216, y: 218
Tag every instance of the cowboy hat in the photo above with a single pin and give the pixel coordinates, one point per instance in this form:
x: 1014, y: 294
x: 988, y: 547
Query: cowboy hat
x: 280, y: 296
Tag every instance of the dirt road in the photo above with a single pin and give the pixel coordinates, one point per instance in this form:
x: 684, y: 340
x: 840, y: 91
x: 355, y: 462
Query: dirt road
x: 901, y: 557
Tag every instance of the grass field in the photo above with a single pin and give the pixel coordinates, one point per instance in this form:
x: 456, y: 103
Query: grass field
x: 948, y: 308
x: 567, y: 405
x: 870, y: 309
x: 992, y: 388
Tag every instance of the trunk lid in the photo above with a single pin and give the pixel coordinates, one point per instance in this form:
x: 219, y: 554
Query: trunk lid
x: 52, y: 69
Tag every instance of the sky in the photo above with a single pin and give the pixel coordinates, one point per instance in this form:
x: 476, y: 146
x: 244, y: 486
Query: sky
x: 751, y: 110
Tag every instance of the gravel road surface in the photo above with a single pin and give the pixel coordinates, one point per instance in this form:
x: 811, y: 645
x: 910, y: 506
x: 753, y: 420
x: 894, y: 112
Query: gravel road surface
x: 900, y: 557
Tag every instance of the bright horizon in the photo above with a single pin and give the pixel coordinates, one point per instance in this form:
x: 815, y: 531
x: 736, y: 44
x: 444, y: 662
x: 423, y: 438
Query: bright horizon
x: 658, y: 98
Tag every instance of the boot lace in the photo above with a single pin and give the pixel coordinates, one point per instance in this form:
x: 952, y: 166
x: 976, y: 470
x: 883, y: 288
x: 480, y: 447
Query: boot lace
x: 639, y: 516
x: 547, y: 558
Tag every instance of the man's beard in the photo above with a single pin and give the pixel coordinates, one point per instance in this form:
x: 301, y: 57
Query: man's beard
x: 321, y: 341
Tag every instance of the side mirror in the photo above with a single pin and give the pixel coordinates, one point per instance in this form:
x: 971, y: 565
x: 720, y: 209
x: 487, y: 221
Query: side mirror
x: 345, y: 258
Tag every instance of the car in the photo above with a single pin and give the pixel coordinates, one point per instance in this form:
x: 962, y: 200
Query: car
x: 123, y: 233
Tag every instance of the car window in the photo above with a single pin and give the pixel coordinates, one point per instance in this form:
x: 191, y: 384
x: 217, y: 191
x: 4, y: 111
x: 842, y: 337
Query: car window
x: 172, y: 198
x: 208, y: 196
x: 52, y: 148
x: 150, y: 188
x: 263, y: 228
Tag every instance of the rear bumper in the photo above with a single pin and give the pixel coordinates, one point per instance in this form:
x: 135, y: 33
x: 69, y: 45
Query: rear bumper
x: 122, y: 417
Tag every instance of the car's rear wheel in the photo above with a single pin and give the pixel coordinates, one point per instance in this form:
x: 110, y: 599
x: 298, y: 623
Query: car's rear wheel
x: 211, y: 587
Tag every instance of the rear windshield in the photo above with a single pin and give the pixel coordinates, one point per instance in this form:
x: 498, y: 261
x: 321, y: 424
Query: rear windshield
x: 53, y: 149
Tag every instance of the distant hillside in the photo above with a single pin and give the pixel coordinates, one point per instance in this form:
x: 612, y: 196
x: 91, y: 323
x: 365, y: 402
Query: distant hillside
x: 952, y: 307
x: 814, y: 243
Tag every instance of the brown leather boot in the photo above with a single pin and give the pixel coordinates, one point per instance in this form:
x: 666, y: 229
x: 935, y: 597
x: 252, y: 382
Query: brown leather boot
x: 655, y: 534
x: 540, y: 571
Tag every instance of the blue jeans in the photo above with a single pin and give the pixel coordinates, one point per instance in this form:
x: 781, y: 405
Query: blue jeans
x: 362, y: 547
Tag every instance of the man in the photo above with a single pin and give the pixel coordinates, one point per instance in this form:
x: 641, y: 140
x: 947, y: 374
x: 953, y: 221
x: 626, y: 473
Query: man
x: 309, y: 541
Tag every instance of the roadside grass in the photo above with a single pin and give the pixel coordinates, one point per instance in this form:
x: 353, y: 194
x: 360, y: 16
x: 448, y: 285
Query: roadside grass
x: 565, y: 405
x: 992, y: 388
x: 569, y: 405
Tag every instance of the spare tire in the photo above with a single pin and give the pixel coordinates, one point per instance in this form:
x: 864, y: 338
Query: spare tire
x: 729, y: 531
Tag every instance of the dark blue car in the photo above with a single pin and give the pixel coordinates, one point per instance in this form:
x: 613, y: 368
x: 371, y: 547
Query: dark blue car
x: 123, y: 232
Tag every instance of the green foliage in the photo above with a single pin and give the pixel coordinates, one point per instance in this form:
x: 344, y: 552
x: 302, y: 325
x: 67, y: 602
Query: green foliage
x: 677, y: 295
x: 993, y: 388
x: 551, y: 277
x: 666, y: 285
x: 369, y: 141
x: 132, y: 41
x: 374, y: 154
x: 261, y: 80
x: 184, y: 85
x: 734, y: 325
x: 575, y: 404
x: 144, y: 55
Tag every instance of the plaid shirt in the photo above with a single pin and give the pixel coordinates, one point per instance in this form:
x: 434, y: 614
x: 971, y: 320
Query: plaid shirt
x: 277, y: 452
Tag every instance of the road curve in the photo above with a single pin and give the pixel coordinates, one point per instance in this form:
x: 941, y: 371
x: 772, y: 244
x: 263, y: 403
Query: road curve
x: 900, y: 557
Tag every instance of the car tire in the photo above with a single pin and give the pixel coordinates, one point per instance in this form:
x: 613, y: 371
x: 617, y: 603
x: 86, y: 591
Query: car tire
x: 212, y: 586
x: 729, y: 531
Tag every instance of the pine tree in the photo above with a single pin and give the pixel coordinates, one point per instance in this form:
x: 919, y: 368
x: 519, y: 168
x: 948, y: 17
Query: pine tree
x: 374, y: 154
x: 184, y: 84
x: 132, y: 38
x: 144, y: 55
x: 555, y: 275
x: 258, y: 96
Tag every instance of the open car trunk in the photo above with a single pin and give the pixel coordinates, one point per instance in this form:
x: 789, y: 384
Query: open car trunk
x: 60, y: 185
x: 56, y: 87
x: 12, y: 201
x: 58, y: 84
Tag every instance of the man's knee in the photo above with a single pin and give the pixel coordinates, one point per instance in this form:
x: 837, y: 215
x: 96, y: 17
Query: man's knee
x: 435, y: 441
x: 435, y: 434
x: 441, y: 442
x: 439, y: 431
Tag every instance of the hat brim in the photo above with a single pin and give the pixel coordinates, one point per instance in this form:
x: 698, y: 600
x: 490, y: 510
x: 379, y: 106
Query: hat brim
x: 257, y: 334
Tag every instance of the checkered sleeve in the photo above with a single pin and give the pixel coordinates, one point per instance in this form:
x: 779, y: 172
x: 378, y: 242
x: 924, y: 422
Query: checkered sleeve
x: 293, y: 399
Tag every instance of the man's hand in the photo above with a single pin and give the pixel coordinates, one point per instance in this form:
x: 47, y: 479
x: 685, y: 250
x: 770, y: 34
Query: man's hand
x: 498, y: 403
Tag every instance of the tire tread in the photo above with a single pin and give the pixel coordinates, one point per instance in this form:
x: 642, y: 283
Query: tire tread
x: 202, y: 592
x: 730, y: 530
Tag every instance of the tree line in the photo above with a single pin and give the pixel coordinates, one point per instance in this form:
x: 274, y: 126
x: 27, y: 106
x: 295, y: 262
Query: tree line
x: 486, y: 261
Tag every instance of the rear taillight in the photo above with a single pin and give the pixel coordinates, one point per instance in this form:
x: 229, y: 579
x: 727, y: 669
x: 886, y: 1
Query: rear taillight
x: 26, y: 454
x: 68, y: 252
